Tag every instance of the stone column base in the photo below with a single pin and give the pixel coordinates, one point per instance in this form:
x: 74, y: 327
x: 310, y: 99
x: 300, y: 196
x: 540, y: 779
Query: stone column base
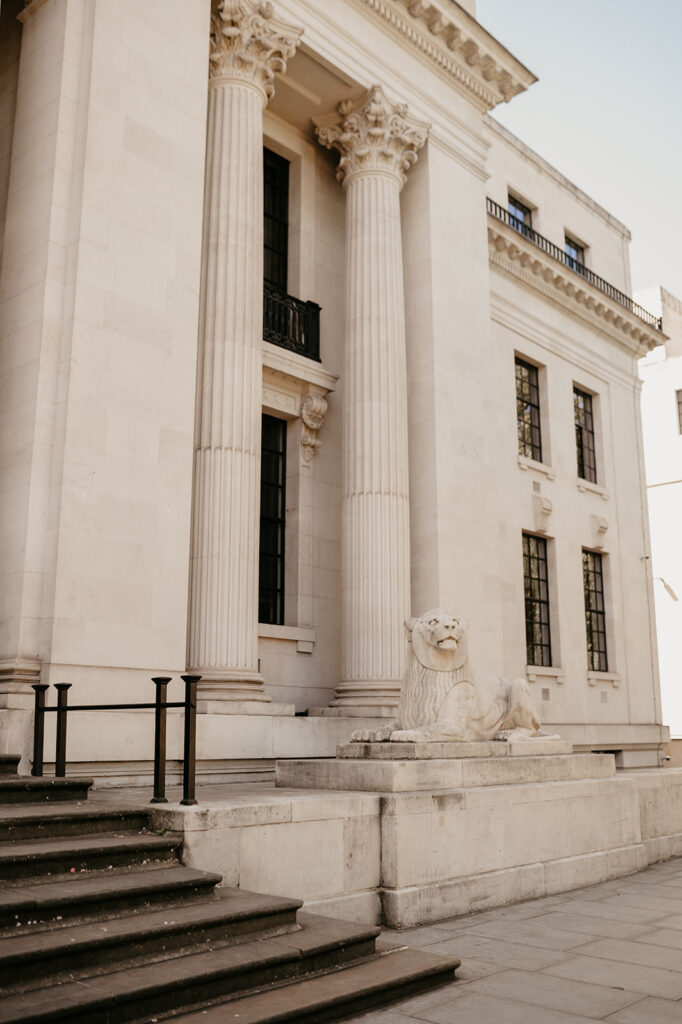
x: 350, y: 711
x: 16, y: 677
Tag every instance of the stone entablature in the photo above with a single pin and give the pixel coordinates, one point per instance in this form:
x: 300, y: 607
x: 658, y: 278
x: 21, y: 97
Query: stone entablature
x: 461, y: 48
x: 518, y: 256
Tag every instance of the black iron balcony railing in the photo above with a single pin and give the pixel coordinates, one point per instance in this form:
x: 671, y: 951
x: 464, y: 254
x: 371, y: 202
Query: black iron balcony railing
x: 500, y: 213
x: 291, y: 323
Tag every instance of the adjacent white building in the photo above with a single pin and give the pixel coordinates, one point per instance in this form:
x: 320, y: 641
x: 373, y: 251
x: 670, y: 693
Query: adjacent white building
x: 296, y: 341
x: 661, y: 373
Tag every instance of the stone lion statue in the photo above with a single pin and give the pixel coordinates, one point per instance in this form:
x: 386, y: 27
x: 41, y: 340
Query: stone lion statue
x: 441, y: 698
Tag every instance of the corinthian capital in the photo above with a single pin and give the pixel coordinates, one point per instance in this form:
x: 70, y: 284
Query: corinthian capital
x: 372, y: 135
x: 249, y: 44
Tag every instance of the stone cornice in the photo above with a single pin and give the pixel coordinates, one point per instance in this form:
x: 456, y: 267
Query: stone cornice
x: 460, y: 47
x: 248, y: 44
x: 372, y: 135
x: 514, y: 254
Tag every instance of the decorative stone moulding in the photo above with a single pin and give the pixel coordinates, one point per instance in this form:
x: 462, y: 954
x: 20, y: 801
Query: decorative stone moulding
x: 522, y: 259
x: 604, y: 677
x: 545, y: 673
x: 313, y: 412
x: 600, y: 527
x: 372, y: 134
x: 249, y: 44
x: 542, y: 510
x: 459, y: 47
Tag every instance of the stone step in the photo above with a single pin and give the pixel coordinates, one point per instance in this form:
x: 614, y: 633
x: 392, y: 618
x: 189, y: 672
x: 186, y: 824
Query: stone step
x: 76, y: 853
x: 194, y: 980
x: 25, y: 789
x: 394, y: 975
x: 9, y: 764
x: 99, y: 896
x: 37, y: 959
x: 19, y: 822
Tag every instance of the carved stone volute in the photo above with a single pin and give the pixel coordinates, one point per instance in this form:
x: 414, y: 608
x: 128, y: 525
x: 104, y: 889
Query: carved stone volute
x: 372, y: 135
x: 249, y: 44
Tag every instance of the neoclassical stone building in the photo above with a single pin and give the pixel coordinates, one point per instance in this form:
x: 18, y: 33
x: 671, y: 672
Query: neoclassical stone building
x: 298, y: 341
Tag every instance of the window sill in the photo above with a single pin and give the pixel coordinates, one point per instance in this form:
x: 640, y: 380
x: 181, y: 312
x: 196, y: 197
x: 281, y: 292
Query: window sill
x: 535, y: 673
x: 603, y: 677
x: 587, y: 485
x: 540, y: 467
x: 302, y: 636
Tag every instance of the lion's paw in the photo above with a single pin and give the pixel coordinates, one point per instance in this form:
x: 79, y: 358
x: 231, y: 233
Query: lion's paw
x: 407, y: 736
x: 371, y: 735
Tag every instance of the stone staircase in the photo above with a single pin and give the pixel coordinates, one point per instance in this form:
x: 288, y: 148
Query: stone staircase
x: 101, y: 922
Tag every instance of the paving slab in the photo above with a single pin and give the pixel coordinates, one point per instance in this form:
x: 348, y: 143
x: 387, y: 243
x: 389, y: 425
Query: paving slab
x: 597, y: 971
x: 618, y: 959
x: 508, y: 954
x: 557, y: 994
x: 648, y: 1011
x: 474, y: 1008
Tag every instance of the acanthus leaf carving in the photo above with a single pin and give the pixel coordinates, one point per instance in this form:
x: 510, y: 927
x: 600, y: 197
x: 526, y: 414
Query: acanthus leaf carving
x: 313, y: 412
x: 372, y: 135
x: 249, y: 44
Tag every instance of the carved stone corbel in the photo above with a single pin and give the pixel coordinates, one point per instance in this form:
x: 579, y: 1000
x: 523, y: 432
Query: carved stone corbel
x: 313, y: 412
x: 600, y: 527
x: 542, y: 510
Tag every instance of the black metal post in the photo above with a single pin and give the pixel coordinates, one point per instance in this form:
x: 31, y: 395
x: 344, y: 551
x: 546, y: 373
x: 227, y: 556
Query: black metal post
x: 39, y: 727
x: 189, y: 763
x: 160, y: 740
x: 60, y: 752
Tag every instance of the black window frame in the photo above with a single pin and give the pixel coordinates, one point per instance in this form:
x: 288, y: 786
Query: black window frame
x: 275, y: 220
x: 583, y: 415
x: 537, y: 600
x: 575, y: 254
x: 520, y: 215
x: 272, y: 537
x: 528, y: 412
x: 595, y: 611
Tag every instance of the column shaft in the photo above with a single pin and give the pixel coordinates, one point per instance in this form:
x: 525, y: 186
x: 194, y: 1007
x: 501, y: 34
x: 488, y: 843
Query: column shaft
x: 223, y: 630
x: 375, y: 514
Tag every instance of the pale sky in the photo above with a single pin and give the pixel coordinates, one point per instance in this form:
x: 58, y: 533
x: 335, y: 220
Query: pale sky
x: 606, y: 111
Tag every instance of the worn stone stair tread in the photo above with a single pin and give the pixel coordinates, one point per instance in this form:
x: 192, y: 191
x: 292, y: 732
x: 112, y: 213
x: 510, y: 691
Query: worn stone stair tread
x: 351, y: 989
x: 196, y: 978
x: 104, y: 890
x: 76, y: 851
x: 50, y: 816
x: 231, y: 907
x: 30, y: 789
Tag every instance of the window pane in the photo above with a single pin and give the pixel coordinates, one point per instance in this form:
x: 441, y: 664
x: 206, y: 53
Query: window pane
x: 272, y: 521
x: 595, y: 618
x: 528, y: 410
x: 276, y: 220
x: 536, y: 591
x: 584, y: 435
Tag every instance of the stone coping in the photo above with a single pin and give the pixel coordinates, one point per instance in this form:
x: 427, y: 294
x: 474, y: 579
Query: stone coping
x: 446, y: 751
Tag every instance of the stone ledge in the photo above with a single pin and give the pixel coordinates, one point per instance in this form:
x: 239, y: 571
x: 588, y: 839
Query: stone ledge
x: 445, y: 751
x: 421, y: 777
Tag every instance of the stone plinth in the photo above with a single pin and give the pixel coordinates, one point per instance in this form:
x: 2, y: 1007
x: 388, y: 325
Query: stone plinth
x: 432, y: 751
x: 413, y: 775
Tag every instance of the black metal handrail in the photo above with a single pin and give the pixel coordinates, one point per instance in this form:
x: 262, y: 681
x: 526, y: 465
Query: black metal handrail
x: 291, y: 323
x: 500, y: 213
x: 159, y: 706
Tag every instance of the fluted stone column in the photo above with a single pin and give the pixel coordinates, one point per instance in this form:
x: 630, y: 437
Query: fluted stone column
x: 248, y: 45
x: 378, y: 143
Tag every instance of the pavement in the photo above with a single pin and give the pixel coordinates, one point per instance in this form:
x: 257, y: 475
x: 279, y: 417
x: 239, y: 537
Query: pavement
x: 609, y: 952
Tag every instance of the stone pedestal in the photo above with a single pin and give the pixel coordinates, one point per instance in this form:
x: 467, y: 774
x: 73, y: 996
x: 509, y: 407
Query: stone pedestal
x: 465, y: 826
x: 378, y: 143
x: 247, y: 47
